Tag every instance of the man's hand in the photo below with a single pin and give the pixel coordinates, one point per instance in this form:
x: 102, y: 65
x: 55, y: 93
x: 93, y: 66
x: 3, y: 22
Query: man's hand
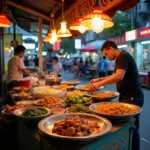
x: 94, y: 80
x: 95, y: 86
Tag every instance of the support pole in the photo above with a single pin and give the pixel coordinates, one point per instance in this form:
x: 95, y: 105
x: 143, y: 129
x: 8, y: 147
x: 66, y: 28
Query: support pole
x: 40, y: 41
x: 14, y: 31
x: 1, y: 54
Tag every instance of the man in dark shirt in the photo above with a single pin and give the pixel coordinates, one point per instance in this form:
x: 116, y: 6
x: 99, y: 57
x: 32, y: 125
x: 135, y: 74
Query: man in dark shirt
x: 127, y: 82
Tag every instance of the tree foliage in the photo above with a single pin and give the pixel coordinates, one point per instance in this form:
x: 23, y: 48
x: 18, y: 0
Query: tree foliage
x: 122, y: 23
x: 68, y: 46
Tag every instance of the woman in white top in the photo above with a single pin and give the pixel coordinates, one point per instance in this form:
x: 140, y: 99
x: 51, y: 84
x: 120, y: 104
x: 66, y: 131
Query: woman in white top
x: 57, y: 66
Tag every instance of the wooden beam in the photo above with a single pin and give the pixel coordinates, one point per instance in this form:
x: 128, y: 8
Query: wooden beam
x: 29, y: 10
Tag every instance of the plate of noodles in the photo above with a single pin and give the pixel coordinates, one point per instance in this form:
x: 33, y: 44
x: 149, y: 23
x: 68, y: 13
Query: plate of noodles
x: 115, y: 110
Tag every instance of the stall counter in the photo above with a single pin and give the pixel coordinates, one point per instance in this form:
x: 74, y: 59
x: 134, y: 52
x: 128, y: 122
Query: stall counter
x: 119, y: 137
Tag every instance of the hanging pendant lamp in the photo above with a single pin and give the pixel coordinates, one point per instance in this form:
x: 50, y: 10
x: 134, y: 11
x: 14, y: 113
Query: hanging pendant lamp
x: 97, y: 20
x: 77, y: 26
x: 47, y: 37
x: 63, y: 31
x: 4, y: 21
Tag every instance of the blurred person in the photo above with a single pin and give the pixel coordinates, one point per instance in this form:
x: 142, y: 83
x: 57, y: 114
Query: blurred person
x: 26, y: 61
x: 111, y: 67
x: 57, y: 66
x: 75, y: 67
x: 102, y: 67
x: 48, y: 61
x: 36, y: 61
x: 127, y: 81
x: 64, y: 64
x: 16, y: 68
x: 86, y: 62
x: 80, y: 64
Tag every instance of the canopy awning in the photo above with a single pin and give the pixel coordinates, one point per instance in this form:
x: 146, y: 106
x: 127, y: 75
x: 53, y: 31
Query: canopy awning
x: 89, y: 48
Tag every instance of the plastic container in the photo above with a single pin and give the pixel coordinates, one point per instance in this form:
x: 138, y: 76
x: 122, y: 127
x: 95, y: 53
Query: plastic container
x: 25, y: 83
x: 42, y: 82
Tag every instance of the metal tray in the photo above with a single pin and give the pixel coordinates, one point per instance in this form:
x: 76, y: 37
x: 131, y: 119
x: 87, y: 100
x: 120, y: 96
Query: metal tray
x: 46, y: 126
x: 8, y: 114
x: 79, y: 87
x: 139, y: 109
x: 98, y: 98
x: 19, y: 112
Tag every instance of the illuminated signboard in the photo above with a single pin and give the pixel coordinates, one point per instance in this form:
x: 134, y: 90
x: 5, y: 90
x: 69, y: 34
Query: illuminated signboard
x: 144, y: 32
x: 131, y: 35
x: 56, y: 46
x: 77, y: 43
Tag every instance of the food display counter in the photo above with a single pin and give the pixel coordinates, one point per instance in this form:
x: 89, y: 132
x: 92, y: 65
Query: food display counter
x: 120, y: 137
x: 144, y: 78
x: 89, y: 121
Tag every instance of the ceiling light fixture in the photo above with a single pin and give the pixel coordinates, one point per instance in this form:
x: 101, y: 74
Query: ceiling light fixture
x: 97, y: 20
x: 63, y: 32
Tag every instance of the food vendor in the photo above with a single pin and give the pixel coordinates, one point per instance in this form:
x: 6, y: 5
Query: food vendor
x: 16, y: 67
x: 127, y: 82
x: 57, y: 66
x: 48, y: 61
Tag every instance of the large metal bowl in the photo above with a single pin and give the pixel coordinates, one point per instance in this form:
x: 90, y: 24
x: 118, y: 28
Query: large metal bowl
x: 103, y: 98
x: 19, y: 113
x: 37, y: 92
x: 93, y: 106
x: 46, y: 125
x: 53, y: 81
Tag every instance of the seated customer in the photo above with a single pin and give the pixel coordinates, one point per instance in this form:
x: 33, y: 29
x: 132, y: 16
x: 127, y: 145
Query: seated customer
x: 16, y: 68
x: 57, y: 66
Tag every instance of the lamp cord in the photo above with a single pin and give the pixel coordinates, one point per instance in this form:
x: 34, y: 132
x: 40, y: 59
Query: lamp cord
x: 63, y: 10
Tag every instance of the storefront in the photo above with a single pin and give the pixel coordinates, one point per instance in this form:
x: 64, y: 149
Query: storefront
x: 122, y: 44
x: 138, y: 42
x: 143, y: 50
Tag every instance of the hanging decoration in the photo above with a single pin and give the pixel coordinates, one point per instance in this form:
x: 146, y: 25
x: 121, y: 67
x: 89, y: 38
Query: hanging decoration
x: 97, y: 20
x: 47, y: 37
x: 4, y: 21
x: 63, y: 31
x: 77, y: 26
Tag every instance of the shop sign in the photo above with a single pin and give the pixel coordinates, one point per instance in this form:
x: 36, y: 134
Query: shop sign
x: 77, y: 43
x: 79, y: 8
x: 144, y: 32
x: 56, y: 46
x: 131, y: 35
x: 119, y: 40
x: 110, y: 4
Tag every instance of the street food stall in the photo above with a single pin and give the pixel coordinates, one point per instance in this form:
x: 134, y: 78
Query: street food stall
x: 67, y: 113
x: 56, y: 115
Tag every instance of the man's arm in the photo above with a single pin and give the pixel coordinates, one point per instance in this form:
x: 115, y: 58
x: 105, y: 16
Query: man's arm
x: 109, y: 80
x: 22, y: 67
x: 113, y: 78
x: 25, y: 71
